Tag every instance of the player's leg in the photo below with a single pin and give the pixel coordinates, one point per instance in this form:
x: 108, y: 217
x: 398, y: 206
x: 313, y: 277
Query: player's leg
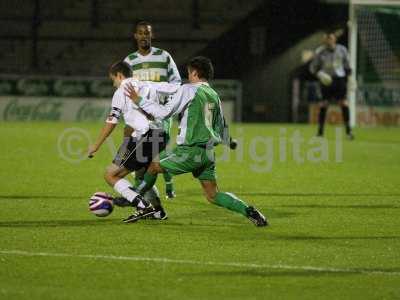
x: 145, y: 149
x: 323, y: 108
x: 151, y: 149
x: 151, y: 195
x: 175, y: 162
x: 128, y: 131
x: 114, y: 176
x: 126, y: 161
x: 116, y: 172
x: 210, y: 190
x: 326, y: 92
x: 227, y: 200
x: 346, y: 118
x: 149, y: 178
x: 207, y: 175
x: 340, y: 96
x: 169, y: 185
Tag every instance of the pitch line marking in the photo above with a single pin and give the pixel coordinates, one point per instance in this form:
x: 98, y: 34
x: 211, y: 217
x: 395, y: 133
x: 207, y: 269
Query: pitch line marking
x: 204, y: 263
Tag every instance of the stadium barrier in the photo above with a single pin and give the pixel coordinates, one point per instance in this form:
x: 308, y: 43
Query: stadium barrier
x: 14, y: 108
x: 377, y: 105
x: 81, y: 99
x: 366, y: 115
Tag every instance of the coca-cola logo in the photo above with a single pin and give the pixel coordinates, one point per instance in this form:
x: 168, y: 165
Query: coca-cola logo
x: 90, y: 112
x: 46, y: 110
x: 68, y: 88
x: 101, y: 88
x: 33, y: 87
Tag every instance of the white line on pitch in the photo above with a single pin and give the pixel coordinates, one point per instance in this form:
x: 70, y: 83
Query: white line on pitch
x: 204, y: 263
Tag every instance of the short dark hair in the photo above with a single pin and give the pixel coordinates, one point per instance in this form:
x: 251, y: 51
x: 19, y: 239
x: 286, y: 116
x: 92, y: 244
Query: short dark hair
x: 120, y: 67
x: 142, y: 23
x: 203, y: 66
x: 330, y: 31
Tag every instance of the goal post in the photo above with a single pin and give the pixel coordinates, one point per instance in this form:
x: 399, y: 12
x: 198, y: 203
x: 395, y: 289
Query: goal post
x: 374, y: 46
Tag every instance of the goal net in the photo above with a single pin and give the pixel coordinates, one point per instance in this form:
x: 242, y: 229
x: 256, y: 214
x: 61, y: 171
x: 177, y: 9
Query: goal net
x: 375, y: 58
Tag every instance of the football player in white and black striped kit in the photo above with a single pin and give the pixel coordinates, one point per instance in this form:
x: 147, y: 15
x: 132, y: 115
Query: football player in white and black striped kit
x: 332, y: 67
x: 147, y: 139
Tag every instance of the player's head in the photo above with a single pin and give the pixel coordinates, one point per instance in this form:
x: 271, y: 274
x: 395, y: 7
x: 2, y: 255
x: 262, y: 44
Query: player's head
x: 330, y: 38
x: 200, y: 68
x: 143, y: 35
x: 118, y: 72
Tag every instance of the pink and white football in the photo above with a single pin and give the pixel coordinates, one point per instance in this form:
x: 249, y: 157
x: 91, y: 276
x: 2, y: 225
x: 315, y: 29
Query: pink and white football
x: 101, y: 204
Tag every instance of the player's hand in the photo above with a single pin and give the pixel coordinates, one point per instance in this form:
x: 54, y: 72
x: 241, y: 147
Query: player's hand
x: 92, y: 150
x: 131, y: 93
x: 325, y: 78
x: 232, y: 144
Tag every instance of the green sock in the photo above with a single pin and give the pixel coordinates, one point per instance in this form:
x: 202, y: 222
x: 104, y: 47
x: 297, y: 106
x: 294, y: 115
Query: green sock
x: 148, y: 181
x: 168, y: 182
x: 137, y: 181
x: 230, y: 201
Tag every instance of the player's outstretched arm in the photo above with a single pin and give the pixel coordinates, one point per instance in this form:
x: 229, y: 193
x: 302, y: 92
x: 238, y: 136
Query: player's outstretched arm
x: 157, y: 110
x: 165, y: 88
x: 103, y: 135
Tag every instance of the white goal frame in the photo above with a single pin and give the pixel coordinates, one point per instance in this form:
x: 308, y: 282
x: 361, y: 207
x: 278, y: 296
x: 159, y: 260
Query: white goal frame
x: 353, y: 35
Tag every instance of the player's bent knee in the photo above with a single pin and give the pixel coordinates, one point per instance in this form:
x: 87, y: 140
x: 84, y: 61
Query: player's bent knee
x: 210, y: 198
x: 113, y: 173
x: 108, y: 177
x: 209, y: 190
x: 155, y: 168
x: 110, y: 172
x: 112, y: 169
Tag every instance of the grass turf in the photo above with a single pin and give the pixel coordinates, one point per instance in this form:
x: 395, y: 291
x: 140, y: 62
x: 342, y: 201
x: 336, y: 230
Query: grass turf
x: 334, y: 230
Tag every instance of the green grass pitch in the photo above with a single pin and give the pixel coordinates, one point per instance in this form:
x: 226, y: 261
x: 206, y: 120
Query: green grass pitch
x: 334, y: 234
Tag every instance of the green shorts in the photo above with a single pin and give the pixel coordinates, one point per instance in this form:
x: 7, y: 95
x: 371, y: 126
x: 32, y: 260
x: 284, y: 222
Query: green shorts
x: 189, y: 159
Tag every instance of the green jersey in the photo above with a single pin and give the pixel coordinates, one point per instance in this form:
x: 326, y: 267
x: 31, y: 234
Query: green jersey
x: 199, y: 110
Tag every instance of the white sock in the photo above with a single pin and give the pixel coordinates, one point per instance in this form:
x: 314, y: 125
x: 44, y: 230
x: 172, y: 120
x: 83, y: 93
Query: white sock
x: 123, y: 187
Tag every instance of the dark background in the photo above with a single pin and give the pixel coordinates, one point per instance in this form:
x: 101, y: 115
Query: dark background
x: 257, y: 42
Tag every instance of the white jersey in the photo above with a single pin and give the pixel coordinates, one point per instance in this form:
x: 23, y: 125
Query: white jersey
x: 134, y: 116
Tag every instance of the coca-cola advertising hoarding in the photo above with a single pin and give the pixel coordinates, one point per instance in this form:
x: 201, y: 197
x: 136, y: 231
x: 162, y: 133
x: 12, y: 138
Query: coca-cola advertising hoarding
x: 53, y: 109
x: 366, y: 115
x: 40, y: 98
x: 56, y: 87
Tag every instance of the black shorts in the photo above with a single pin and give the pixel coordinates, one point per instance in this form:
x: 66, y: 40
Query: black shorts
x: 336, y: 91
x: 134, y: 154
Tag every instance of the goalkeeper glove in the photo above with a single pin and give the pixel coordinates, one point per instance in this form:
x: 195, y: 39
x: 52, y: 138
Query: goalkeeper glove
x: 325, y: 78
x: 232, y: 143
